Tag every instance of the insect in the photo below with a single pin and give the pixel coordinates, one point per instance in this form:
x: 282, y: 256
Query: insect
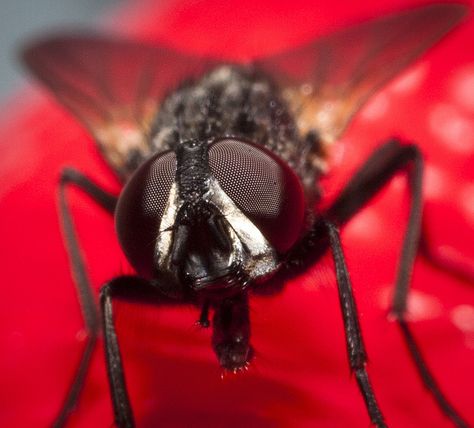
x: 220, y: 164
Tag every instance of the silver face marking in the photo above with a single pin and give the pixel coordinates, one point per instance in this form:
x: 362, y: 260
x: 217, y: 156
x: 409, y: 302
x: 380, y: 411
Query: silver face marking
x: 165, y: 232
x: 250, y: 249
x: 258, y: 257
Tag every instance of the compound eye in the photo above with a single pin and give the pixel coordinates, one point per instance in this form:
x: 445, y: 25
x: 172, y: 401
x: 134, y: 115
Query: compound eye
x: 263, y: 187
x: 141, y: 207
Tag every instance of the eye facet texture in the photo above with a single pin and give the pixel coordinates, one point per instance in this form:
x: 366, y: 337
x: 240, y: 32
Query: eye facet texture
x: 263, y: 187
x: 260, y: 184
x: 141, y: 207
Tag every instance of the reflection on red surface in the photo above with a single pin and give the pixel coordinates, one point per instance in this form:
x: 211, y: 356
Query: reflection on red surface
x: 300, y: 376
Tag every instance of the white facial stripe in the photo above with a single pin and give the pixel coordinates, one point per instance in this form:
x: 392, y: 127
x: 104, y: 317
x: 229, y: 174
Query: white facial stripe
x: 165, y: 232
x: 258, y: 259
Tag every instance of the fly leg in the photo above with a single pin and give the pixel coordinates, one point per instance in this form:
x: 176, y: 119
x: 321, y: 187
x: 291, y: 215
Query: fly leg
x: 132, y: 289
x: 71, y: 177
x: 354, y: 342
x: 386, y: 161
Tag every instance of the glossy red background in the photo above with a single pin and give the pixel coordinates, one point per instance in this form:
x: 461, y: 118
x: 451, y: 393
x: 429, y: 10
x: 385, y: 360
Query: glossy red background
x: 300, y: 376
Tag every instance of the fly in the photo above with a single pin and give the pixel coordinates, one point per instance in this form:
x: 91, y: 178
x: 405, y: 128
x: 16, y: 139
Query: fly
x: 220, y: 164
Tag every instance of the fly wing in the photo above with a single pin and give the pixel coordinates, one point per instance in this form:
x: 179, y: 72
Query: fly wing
x: 326, y: 82
x: 114, y: 87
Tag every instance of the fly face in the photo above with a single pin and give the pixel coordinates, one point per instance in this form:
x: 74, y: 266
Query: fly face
x: 208, y: 230
x: 217, y: 210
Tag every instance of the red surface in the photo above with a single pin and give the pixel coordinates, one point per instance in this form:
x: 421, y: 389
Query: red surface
x: 300, y: 377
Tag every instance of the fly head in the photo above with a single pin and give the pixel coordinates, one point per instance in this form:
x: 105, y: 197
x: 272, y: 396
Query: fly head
x: 210, y: 217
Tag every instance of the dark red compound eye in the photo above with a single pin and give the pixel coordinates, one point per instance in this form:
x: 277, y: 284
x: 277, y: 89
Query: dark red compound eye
x: 140, y: 209
x: 263, y: 187
x: 260, y: 184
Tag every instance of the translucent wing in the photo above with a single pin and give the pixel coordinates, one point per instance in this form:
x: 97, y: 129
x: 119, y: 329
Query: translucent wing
x: 113, y: 87
x: 326, y: 82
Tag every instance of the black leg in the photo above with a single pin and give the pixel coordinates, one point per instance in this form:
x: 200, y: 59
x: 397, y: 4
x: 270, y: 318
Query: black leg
x: 103, y: 198
x: 392, y: 158
x: 84, y: 289
x: 134, y: 289
x: 389, y: 159
x: 428, y: 380
x: 354, y: 342
x: 122, y: 409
